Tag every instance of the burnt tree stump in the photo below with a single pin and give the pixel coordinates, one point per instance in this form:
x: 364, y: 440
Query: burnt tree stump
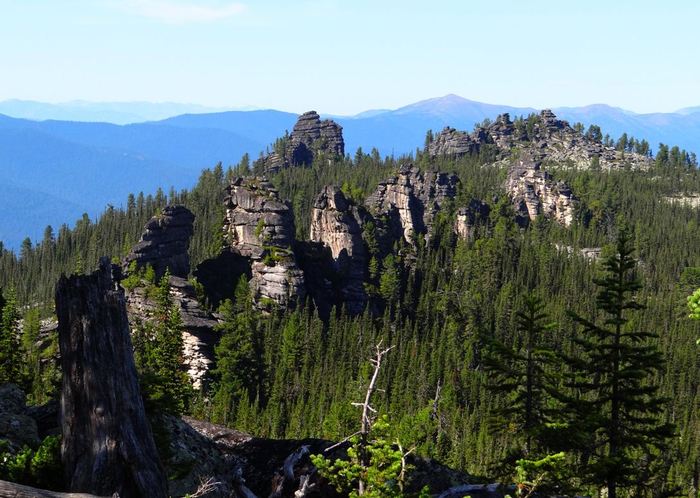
x: 107, y: 444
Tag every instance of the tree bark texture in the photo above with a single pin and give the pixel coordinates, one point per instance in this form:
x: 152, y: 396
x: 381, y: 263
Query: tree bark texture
x: 107, y: 444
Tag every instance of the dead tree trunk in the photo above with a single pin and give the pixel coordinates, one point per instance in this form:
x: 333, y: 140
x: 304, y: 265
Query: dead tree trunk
x: 107, y: 444
x: 368, y: 412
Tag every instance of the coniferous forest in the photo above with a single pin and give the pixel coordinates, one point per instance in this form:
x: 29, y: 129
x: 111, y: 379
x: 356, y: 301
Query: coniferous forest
x: 515, y: 357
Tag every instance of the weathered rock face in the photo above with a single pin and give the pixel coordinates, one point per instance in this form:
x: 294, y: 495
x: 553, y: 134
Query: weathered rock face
x: 588, y: 253
x: 450, y: 142
x: 17, y: 427
x: 336, y: 226
x: 165, y: 242
x: 534, y: 192
x: 310, y: 137
x: 164, y: 245
x: 260, y: 226
x: 219, y: 275
x: 410, y: 201
x: 543, y: 136
x: 107, y: 445
x: 475, y: 213
x: 198, y: 324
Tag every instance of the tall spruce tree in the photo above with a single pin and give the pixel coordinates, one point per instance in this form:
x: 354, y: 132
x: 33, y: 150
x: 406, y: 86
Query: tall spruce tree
x: 238, y: 362
x: 615, y: 375
x: 523, y: 372
x: 159, y: 355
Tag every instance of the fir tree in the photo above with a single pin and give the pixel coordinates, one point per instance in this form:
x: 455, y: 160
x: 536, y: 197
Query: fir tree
x: 524, y: 374
x: 159, y: 350
x: 238, y: 362
x: 615, y: 374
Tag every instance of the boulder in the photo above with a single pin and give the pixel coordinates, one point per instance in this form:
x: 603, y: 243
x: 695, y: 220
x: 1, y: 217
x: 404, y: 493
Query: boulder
x: 468, y: 217
x: 450, y: 142
x: 17, y: 427
x: 543, y: 136
x: 198, y: 324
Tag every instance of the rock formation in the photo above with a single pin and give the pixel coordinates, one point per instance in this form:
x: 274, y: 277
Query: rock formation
x: 220, y: 275
x: 107, y: 445
x: 165, y: 242
x: 534, y: 192
x: 475, y: 213
x: 309, y: 138
x: 543, y: 136
x: 164, y: 246
x: 410, y: 201
x: 336, y: 226
x: 198, y: 333
x: 450, y: 142
x: 258, y: 225
x: 17, y: 427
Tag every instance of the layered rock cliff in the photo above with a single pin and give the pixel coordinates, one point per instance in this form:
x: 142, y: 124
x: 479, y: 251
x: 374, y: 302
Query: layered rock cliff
x: 164, y: 246
x: 534, y: 192
x: 164, y: 242
x: 334, y: 223
x: 467, y: 218
x: 407, y: 204
x: 260, y: 226
x: 543, y: 136
x: 310, y: 137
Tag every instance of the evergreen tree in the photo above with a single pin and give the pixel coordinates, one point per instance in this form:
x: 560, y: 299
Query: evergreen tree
x: 616, y: 369
x: 238, y: 357
x: 159, y: 350
x: 9, y: 341
x: 524, y: 374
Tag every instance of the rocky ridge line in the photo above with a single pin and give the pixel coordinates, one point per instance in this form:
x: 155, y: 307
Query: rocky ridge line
x: 545, y: 137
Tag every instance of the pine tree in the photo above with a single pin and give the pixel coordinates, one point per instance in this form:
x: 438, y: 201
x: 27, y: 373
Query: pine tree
x: 615, y: 372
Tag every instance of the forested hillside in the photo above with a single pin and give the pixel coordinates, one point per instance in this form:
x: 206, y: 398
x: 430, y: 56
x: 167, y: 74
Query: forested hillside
x: 456, y: 311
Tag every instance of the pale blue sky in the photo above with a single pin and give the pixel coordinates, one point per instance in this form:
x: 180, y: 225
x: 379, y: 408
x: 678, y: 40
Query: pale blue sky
x: 345, y: 57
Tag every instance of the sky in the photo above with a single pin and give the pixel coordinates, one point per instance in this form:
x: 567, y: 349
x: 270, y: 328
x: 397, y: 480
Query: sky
x: 344, y: 57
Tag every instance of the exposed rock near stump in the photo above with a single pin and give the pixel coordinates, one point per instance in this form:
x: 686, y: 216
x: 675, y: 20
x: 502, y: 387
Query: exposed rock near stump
x: 107, y: 444
x: 164, y: 243
x: 17, y: 427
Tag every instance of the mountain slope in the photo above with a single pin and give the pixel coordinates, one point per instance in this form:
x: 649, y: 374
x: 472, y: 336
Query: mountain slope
x: 88, y: 165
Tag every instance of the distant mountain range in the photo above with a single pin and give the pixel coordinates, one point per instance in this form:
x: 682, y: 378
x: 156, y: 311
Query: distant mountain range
x: 107, y: 112
x: 54, y: 170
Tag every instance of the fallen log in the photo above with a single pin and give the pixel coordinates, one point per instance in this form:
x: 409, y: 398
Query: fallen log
x: 12, y: 490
